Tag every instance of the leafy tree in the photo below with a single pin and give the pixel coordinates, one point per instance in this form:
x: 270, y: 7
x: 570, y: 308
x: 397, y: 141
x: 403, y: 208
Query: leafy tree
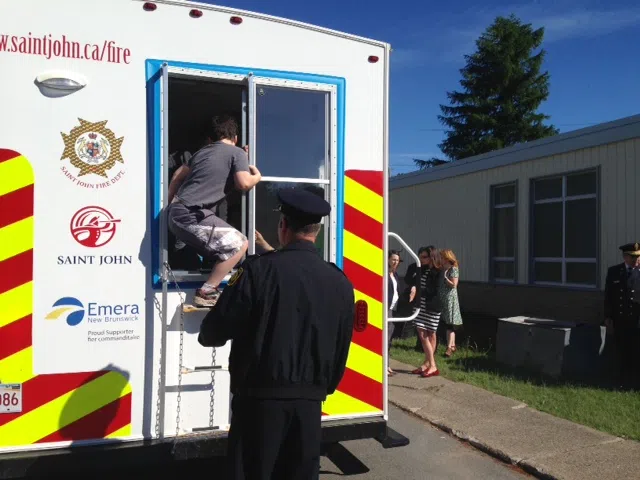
x: 502, y: 88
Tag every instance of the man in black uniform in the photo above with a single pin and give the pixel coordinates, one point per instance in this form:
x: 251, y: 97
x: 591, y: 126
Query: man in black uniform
x: 622, y: 313
x: 290, y: 316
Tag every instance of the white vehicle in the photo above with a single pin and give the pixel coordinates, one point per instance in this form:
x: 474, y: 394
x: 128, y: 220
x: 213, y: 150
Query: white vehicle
x: 99, y: 102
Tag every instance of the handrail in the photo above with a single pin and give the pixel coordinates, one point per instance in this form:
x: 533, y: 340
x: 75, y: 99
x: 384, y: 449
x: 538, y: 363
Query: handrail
x: 408, y: 249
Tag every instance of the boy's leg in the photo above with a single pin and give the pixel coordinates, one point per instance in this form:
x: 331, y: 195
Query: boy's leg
x: 221, y: 269
x: 213, y: 239
x: 226, y: 246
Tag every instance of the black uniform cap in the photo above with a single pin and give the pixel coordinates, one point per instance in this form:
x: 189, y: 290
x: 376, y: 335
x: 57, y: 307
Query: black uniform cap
x: 632, y: 249
x: 302, y: 205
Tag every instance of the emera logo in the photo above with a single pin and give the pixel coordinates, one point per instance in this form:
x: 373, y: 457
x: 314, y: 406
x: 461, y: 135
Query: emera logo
x: 70, y: 307
x: 93, y: 226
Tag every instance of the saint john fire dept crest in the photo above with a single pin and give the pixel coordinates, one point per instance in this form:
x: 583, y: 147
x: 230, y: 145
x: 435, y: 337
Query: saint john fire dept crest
x: 92, y: 148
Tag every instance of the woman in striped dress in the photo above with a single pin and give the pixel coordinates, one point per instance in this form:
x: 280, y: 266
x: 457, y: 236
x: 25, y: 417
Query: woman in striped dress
x: 430, y: 307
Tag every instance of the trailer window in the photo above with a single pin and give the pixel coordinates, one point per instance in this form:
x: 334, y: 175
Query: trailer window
x: 291, y: 130
x: 290, y: 143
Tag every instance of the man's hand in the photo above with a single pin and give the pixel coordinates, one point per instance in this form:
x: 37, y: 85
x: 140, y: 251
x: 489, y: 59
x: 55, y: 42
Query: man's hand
x: 246, y: 149
x: 412, y: 295
x: 255, y: 173
x: 261, y: 242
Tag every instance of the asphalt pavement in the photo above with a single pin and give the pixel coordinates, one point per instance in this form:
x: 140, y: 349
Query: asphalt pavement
x: 431, y: 454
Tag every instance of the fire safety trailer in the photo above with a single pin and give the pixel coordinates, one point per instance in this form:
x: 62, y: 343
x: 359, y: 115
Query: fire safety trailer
x: 99, y: 104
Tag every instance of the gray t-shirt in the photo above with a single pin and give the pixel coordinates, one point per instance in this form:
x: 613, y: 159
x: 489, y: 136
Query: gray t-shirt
x: 212, y: 169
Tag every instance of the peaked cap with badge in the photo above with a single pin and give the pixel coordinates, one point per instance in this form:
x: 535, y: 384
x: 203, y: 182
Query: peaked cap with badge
x: 302, y: 205
x: 632, y: 249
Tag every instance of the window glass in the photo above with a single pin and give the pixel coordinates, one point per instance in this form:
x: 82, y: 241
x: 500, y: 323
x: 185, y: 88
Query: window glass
x: 581, y: 273
x: 291, y: 132
x: 504, y: 232
x: 267, y: 217
x: 581, y: 184
x: 547, y: 234
x: 580, y: 228
x: 503, y: 270
x: 548, y: 272
x: 505, y: 194
x: 548, y: 188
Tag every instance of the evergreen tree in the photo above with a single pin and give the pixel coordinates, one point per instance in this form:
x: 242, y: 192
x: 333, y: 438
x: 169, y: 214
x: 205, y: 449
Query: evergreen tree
x: 502, y: 90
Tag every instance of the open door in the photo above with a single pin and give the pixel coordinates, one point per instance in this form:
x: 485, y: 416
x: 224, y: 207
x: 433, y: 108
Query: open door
x: 292, y: 137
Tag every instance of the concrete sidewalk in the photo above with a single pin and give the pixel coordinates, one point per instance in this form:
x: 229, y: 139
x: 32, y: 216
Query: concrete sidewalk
x: 543, y: 445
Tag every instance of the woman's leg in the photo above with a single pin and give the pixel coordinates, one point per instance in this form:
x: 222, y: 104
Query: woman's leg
x: 431, y: 343
x: 426, y: 347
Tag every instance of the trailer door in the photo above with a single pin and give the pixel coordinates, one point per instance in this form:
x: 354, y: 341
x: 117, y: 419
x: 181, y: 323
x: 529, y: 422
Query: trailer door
x: 293, y: 140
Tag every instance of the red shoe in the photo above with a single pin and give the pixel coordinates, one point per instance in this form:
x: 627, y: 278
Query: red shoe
x: 417, y: 371
x: 435, y: 373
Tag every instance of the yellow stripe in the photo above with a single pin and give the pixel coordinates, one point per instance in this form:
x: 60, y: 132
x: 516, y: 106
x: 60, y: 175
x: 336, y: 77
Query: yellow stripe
x: 17, y: 368
x: 374, y: 308
x: 15, y: 174
x: 16, y: 238
x: 64, y: 410
x: 16, y: 303
x: 365, y: 362
x: 342, y: 404
x: 363, y: 253
x: 363, y: 199
x: 121, y: 432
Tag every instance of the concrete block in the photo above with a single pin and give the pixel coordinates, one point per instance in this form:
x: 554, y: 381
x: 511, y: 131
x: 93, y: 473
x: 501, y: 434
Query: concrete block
x: 551, y: 347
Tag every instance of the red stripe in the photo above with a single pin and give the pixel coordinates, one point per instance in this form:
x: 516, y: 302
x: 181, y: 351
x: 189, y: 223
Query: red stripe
x: 370, y: 338
x: 15, y: 337
x: 363, y: 280
x: 16, y: 271
x: 363, y: 388
x: 371, y: 179
x: 16, y: 205
x: 44, y: 388
x: 7, y: 154
x: 363, y: 226
x: 97, y: 424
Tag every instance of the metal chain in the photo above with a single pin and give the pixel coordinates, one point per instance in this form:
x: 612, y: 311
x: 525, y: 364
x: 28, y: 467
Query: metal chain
x: 160, y: 373
x: 181, y: 349
x: 213, y: 387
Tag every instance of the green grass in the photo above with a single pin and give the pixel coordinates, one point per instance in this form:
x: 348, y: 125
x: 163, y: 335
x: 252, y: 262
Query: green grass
x: 606, y: 409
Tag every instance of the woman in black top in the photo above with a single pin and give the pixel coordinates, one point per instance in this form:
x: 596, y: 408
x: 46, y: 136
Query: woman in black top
x: 426, y: 281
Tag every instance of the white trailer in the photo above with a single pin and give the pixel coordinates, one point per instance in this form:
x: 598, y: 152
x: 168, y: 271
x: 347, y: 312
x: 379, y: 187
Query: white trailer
x: 98, y: 102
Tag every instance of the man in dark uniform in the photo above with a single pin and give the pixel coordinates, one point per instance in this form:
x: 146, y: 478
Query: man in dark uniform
x: 622, y: 313
x: 290, y: 317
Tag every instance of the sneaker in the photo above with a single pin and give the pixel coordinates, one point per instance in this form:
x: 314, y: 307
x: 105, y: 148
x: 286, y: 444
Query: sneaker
x: 206, y: 298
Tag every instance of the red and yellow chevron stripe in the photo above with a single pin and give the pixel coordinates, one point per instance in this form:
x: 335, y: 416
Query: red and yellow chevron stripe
x: 361, y: 390
x: 55, y: 408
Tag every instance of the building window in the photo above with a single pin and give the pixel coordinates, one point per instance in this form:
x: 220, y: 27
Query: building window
x: 504, y: 200
x: 564, y: 229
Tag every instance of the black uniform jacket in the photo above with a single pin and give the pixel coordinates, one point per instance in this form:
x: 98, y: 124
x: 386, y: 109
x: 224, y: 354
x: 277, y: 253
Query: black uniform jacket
x: 290, y: 315
x: 618, y: 298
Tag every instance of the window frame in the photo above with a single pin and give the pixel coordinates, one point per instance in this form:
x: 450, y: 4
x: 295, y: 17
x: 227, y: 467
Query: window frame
x: 156, y: 73
x: 564, y: 260
x: 331, y: 134
x: 492, y: 219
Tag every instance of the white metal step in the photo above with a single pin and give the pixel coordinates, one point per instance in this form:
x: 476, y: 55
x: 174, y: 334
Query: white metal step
x: 205, y: 368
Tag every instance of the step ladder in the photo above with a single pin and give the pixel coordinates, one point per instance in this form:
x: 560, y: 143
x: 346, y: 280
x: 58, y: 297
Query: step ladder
x: 182, y: 434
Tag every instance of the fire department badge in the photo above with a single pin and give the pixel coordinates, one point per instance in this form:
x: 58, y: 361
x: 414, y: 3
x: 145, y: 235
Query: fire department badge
x: 234, y: 278
x: 92, y: 148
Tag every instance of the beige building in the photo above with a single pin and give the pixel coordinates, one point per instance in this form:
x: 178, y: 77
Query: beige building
x: 534, y: 226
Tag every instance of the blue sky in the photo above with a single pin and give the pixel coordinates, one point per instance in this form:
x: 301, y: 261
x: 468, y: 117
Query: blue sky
x: 593, y: 56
